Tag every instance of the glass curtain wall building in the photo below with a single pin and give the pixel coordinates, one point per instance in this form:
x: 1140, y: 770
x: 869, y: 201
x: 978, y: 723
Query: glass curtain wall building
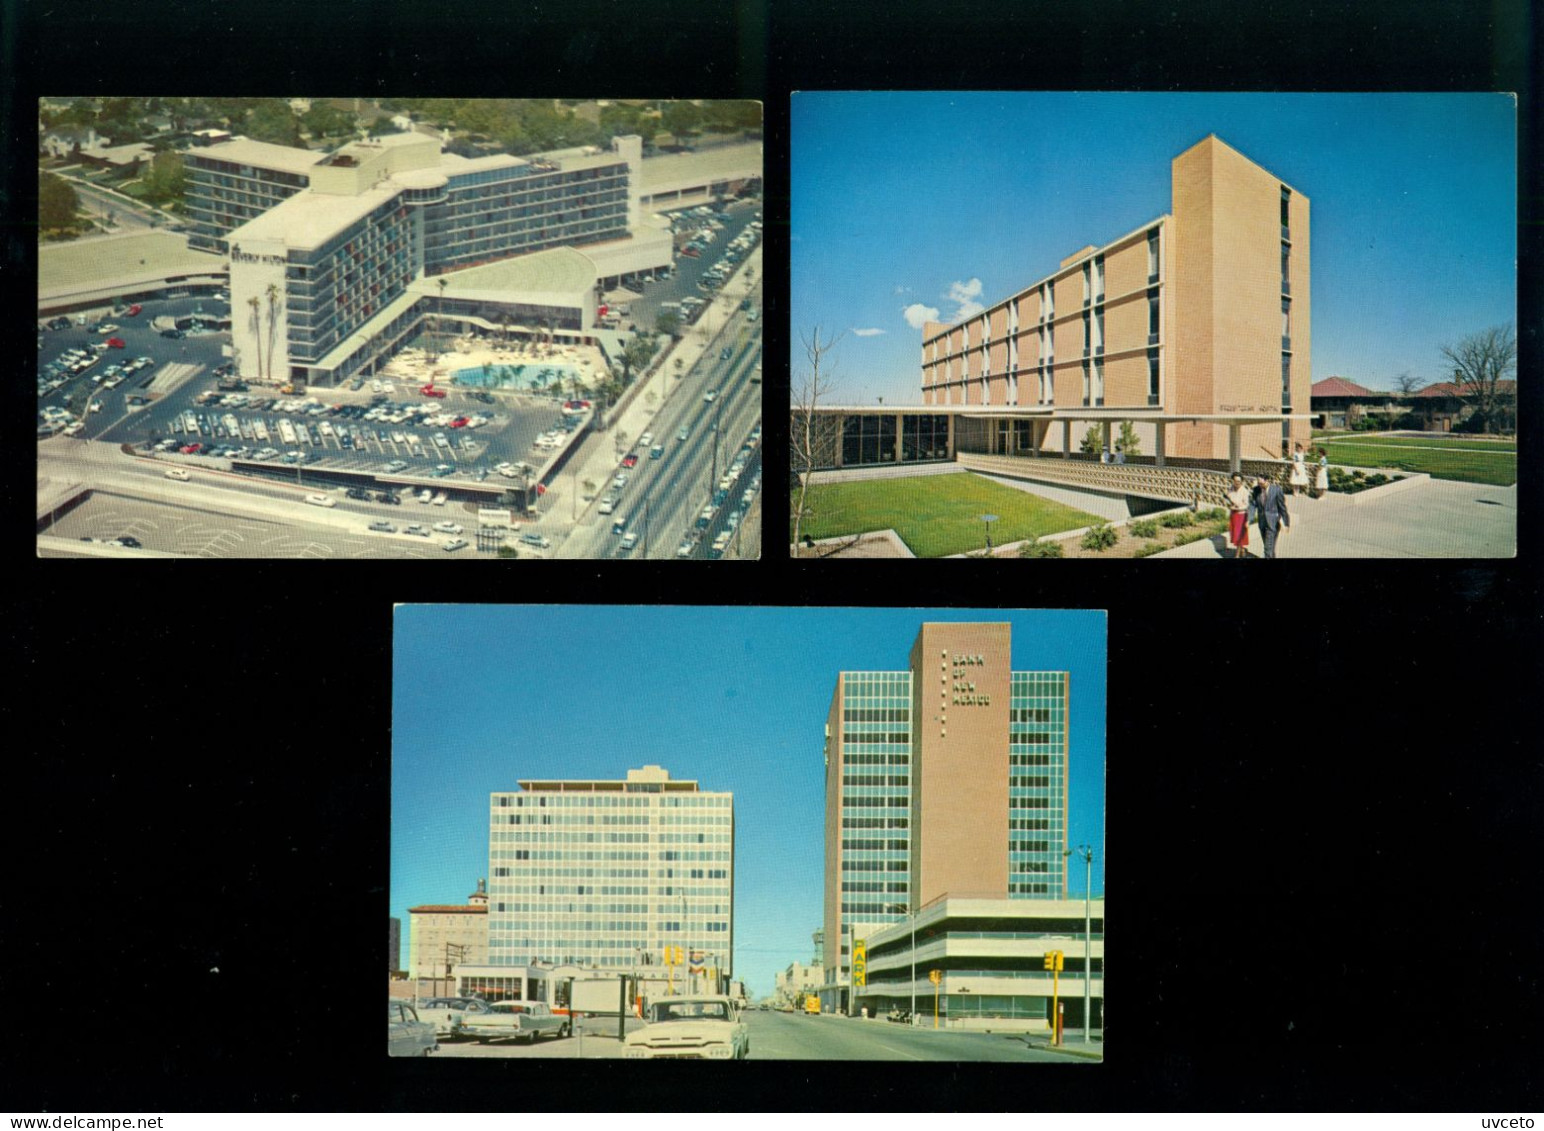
x: 606, y: 874
x: 946, y: 779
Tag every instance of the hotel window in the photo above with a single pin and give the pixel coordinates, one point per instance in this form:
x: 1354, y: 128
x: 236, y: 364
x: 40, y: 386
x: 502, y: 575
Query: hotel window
x: 1098, y: 331
x: 1088, y: 334
x: 1286, y: 268
x: 1286, y: 199
x: 1152, y: 317
x: 1086, y: 383
x: 1286, y: 382
x: 1286, y: 323
x: 1088, y: 282
x: 1152, y: 377
x: 1099, y: 278
x: 1152, y: 256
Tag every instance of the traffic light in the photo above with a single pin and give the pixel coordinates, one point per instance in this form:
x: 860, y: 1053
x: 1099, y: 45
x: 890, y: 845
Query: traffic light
x: 1053, y: 960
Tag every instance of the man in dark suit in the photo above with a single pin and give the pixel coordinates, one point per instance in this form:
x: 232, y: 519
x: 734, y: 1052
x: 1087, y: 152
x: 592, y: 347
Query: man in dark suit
x: 1270, y: 505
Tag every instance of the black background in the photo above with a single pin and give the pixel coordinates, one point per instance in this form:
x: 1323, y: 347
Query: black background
x: 1337, y: 913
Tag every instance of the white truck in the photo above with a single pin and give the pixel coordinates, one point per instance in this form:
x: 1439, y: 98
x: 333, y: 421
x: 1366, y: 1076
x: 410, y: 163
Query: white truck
x: 513, y: 1021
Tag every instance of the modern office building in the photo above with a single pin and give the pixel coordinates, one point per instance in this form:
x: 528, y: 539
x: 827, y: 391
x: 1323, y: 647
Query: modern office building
x: 1193, y: 327
x: 606, y: 874
x: 442, y: 936
x: 336, y: 258
x: 947, y: 778
x: 990, y: 956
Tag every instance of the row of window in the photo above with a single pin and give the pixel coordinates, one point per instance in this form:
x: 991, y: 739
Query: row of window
x: 610, y: 801
x: 876, y: 845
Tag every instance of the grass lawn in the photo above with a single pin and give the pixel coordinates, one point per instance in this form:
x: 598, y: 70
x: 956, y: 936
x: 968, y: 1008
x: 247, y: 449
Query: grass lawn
x: 1435, y: 440
x: 937, y: 515
x: 1455, y: 461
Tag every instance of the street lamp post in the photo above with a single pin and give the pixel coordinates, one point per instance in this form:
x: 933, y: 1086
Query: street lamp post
x: 1087, y: 853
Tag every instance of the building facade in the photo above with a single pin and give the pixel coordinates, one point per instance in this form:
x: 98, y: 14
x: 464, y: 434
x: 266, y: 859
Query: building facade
x: 394, y: 945
x: 1198, y: 317
x: 990, y: 957
x: 443, y: 936
x: 947, y: 778
x: 607, y: 874
x: 324, y: 248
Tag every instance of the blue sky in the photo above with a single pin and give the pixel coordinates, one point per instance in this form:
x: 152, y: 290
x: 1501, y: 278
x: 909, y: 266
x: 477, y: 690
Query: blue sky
x: 735, y: 698
x: 904, y: 202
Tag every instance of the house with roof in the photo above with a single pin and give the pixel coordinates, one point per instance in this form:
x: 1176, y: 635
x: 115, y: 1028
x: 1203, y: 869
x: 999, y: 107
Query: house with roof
x: 1337, y: 402
x: 1442, y: 405
x: 62, y: 141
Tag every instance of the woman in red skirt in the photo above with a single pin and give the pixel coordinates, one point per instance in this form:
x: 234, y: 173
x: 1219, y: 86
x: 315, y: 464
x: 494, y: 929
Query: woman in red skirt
x: 1238, y: 517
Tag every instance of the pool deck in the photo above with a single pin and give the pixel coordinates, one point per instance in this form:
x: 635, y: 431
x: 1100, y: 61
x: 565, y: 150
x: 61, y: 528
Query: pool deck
x: 412, y: 364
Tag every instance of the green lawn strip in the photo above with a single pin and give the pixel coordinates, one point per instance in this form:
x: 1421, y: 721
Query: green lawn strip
x: 1445, y: 442
x: 1470, y: 467
x: 937, y: 515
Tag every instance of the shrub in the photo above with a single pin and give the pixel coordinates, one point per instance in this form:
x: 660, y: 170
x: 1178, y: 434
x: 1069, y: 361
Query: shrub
x: 1150, y: 549
x: 1144, y: 528
x: 1100, y: 537
x: 1213, y: 514
x: 1041, y: 550
x: 1190, y: 536
x: 1177, y: 520
x: 1377, y: 479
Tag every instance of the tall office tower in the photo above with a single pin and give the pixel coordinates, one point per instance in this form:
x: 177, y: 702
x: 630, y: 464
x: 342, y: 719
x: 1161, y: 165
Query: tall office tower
x: 608, y: 873
x: 948, y: 778
x: 1194, y: 322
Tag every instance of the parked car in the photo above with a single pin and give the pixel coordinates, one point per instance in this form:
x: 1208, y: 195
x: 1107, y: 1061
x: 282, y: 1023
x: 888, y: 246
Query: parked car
x: 513, y: 1020
x: 630, y: 459
x: 448, y: 527
x: 540, y: 541
x: 696, y: 1028
x: 406, y: 1035
x: 455, y: 544
x: 444, y: 1013
x: 321, y: 500
x: 383, y: 527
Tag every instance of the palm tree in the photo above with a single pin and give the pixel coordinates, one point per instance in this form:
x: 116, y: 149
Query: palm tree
x: 257, y: 328
x: 439, y: 320
x: 273, y: 321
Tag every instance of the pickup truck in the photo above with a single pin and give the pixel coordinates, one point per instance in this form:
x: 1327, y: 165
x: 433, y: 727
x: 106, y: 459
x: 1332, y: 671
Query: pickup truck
x: 512, y: 1020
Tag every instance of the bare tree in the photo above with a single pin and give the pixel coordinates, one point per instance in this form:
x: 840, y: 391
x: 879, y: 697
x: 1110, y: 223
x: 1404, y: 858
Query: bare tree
x: 807, y: 441
x: 1481, y: 362
x: 1407, y: 384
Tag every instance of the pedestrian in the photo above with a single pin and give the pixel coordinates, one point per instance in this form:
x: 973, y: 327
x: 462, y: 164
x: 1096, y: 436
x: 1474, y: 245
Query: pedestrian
x: 1120, y: 454
x: 1299, y: 470
x: 1270, y: 506
x: 1321, y: 480
x: 1238, y: 517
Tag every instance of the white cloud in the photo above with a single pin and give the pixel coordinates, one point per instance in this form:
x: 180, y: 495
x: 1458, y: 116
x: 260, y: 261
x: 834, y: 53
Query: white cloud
x: 916, y: 314
x: 867, y: 333
x: 966, y: 294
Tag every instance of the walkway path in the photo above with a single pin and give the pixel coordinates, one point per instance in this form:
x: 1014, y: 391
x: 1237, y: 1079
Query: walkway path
x: 1435, y: 518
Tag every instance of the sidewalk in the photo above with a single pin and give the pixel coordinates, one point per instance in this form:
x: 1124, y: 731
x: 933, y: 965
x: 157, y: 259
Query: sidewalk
x: 1437, y: 518
x: 1072, y: 1045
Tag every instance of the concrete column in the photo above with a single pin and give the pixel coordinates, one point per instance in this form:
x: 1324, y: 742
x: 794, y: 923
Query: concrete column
x: 1163, y: 431
x: 951, y: 435
x: 899, y: 433
x: 1034, y: 438
x: 840, y: 424
x: 1104, y: 438
x: 1066, y: 439
x: 1235, y: 437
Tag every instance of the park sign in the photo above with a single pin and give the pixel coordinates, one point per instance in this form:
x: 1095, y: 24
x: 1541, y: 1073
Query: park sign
x: 860, y: 962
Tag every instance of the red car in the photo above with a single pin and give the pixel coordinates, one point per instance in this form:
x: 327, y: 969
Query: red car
x: 431, y: 391
x: 191, y: 449
x: 690, y: 252
x: 458, y: 422
x: 630, y: 459
x: 135, y: 309
x: 117, y: 343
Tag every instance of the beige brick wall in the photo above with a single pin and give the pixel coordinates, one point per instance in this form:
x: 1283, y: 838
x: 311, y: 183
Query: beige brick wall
x: 1125, y: 382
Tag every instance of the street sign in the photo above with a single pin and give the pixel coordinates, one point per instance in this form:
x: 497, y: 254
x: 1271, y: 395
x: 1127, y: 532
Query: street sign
x: 860, y: 962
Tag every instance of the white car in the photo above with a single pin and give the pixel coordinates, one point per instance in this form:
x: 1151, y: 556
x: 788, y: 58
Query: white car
x: 620, y: 481
x: 690, y: 1028
x: 321, y: 500
x: 448, y: 527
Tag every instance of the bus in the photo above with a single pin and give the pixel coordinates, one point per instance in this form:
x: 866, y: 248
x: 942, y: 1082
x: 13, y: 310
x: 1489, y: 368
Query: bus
x: 811, y: 1003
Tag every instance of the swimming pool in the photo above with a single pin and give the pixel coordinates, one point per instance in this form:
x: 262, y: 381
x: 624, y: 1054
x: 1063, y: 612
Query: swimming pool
x: 537, y: 376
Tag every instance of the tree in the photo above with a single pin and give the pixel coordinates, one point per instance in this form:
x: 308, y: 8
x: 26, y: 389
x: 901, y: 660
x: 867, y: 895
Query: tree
x: 1481, y: 362
x: 257, y: 328
x: 323, y: 120
x: 273, y: 121
x: 809, y: 442
x: 1092, y: 443
x: 636, y: 354
x: 667, y: 323
x: 57, y: 203
x: 1407, y: 384
x: 681, y: 120
x: 273, y: 322
x: 1128, y: 439
x: 164, y: 179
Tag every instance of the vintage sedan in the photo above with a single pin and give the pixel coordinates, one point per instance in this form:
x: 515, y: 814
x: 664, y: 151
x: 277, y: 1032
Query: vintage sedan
x: 406, y: 1035
x: 513, y: 1020
x: 445, y: 1013
x: 690, y: 1028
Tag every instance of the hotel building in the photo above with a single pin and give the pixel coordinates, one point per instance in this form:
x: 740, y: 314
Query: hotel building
x: 606, y: 874
x: 443, y: 936
x: 946, y: 779
x: 337, y: 258
x: 1194, y: 327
